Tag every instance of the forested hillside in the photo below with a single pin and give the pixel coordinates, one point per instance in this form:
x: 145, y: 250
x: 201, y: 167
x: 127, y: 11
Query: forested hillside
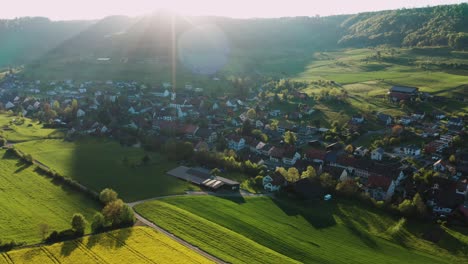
x: 24, y: 39
x: 207, y: 44
x: 431, y: 26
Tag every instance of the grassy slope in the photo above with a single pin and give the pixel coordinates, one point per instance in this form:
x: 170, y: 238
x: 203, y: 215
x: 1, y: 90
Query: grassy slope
x: 98, y: 164
x: 322, y: 233
x: 131, y: 245
x: 29, y: 130
x: 29, y: 199
x: 366, y: 80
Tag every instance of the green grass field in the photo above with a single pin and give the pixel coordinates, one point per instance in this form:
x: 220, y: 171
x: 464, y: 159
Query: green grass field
x: 29, y: 199
x: 100, y: 163
x: 249, y: 230
x: 131, y: 245
x: 367, y: 80
x: 14, y: 131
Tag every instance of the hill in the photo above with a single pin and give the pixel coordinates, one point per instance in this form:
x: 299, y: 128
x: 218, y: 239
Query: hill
x: 241, y: 230
x: 141, y: 47
x: 130, y: 245
x: 430, y: 26
x: 25, y: 39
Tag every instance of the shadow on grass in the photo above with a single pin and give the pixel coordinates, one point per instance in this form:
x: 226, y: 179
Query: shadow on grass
x: 318, y: 213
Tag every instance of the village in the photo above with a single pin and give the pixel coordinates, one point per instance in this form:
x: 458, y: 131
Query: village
x: 422, y: 153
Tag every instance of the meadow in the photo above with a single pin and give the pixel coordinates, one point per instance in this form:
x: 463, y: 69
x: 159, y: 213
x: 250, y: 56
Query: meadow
x: 366, y: 78
x: 102, y: 163
x: 240, y: 230
x: 29, y: 199
x: 130, y: 245
x: 16, y: 129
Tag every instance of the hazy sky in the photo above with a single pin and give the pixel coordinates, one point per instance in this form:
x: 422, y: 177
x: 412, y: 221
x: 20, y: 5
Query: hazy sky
x: 92, y: 9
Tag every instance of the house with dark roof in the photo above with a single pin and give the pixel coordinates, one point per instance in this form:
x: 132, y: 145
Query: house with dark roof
x: 274, y: 182
x: 385, y: 119
x: 402, y: 93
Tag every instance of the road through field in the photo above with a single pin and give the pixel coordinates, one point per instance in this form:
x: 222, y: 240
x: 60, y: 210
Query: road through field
x: 181, y: 241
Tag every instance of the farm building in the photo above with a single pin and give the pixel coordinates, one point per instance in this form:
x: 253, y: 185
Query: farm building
x: 203, y: 178
x: 402, y: 93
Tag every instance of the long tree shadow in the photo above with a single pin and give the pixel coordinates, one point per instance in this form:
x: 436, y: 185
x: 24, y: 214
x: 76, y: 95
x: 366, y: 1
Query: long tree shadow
x: 69, y: 246
x: 318, y: 213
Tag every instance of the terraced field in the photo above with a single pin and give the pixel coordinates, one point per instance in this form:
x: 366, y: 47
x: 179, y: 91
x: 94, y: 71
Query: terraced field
x: 99, y: 164
x: 130, y: 245
x: 29, y: 199
x: 249, y: 230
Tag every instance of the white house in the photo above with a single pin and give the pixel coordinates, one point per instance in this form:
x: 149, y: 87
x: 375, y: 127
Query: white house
x: 236, y: 143
x: 361, y: 151
x: 291, y: 160
x: 358, y: 119
x: 80, y: 113
x: 275, y: 113
x: 215, y: 106
x: 377, y: 154
x: 259, y: 124
x: 405, y: 120
x: 271, y: 185
x: 455, y: 121
x: 9, y: 105
x: 412, y: 150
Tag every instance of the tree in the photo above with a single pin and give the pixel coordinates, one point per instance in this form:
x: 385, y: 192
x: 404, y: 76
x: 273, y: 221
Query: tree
x: 251, y: 113
x: 98, y: 222
x: 290, y: 137
x: 56, y: 105
x: 406, y: 207
x: 108, y: 195
x: 396, y: 130
x: 74, y: 105
x: 215, y: 171
x: 127, y: 217
x: 78, y: 223
x: 146, y: 159
x: 327, y: 181
x: 347, y: 187
x: 452, y: 159
x: 309, y: 173
x: 419, y: 205
x: 349, y: 149
x: 43, y: 230
x: 112, y: 212
x: 293, y: 175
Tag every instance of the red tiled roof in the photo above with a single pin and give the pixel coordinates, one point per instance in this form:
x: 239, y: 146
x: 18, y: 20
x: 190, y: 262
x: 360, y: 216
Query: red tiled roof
x: 379, y: 181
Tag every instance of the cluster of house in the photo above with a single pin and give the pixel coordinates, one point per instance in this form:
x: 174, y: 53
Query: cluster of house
x: 160, y: 109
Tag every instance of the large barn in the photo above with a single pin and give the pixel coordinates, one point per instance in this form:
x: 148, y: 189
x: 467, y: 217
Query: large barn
x: 403, y: 93
x: 203, y: 178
